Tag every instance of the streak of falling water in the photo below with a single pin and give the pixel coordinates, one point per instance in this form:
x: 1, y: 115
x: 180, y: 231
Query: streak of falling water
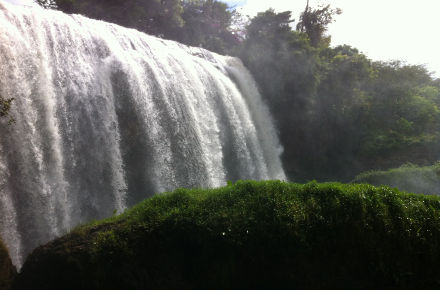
x: 107, y: 116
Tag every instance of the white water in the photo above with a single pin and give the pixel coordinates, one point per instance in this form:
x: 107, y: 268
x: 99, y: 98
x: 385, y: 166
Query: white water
x: 106, y: 116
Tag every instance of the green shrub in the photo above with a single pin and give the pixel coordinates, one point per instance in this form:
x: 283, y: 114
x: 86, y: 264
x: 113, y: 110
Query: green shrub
x: 408, y: 177
x: 252, y: 235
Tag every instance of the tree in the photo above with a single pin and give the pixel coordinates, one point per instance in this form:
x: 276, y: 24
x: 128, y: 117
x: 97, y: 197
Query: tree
x: 156, y: 17
x: 314, y: 23
x: 48, y: 4
x: 205, y: 23
x: 281, y: 59
x: 286, y: 68
x: 338, y: 113
x: 208, y: 24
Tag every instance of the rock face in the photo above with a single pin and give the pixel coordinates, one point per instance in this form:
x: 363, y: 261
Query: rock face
x: 7, y: 270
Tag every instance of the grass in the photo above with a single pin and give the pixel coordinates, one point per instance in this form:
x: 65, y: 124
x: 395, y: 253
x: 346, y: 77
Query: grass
x: 252, y: 235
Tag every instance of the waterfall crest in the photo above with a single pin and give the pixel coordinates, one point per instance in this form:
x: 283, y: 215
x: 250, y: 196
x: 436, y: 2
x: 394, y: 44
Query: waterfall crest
x: 106, y: 116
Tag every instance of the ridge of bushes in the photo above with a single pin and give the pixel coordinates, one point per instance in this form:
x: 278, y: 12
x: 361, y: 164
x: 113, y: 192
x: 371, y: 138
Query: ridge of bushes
x: 252, y: 235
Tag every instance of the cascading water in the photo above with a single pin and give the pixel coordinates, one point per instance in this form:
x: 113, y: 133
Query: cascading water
x: 106, y: 116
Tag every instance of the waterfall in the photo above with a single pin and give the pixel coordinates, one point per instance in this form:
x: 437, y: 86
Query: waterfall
x: 107, y: 116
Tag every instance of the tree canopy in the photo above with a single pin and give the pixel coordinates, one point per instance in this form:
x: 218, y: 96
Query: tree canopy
x: 205, y: 23
x: 314, y: 23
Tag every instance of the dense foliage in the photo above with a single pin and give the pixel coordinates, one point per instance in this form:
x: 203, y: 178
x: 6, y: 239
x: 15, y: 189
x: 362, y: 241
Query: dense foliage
x: 338, y: 112
x: 7, y: 270
x: 252, y: 235
x: 408, y: 177
x: 152, y: 16
x: 205, y: 23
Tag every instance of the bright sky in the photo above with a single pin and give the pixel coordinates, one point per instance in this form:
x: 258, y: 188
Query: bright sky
x: 382, y: 29
x: 22, y: 2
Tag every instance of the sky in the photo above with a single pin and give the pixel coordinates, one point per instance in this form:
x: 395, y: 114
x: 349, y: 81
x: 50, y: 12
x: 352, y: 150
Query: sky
x: 22, y: 2
x: 405, y: 30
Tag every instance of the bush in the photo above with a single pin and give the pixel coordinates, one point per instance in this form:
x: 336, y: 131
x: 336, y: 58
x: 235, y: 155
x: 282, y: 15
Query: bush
x: 252, y: 235
x: 408, y: 177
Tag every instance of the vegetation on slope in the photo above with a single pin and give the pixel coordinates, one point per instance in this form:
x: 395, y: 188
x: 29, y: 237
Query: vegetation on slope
x: 252, y: 235
x: 340, y: 113
x: 7, y: 270
x: 408, y: 177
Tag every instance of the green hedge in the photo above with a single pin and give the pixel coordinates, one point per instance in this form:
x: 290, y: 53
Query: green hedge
x: 252, y: 235
x: 409, y: 177
x: 7, y: 270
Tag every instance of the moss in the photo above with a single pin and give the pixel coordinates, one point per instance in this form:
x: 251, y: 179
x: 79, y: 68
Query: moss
x: 252, y: 235
x: 7, y: 270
